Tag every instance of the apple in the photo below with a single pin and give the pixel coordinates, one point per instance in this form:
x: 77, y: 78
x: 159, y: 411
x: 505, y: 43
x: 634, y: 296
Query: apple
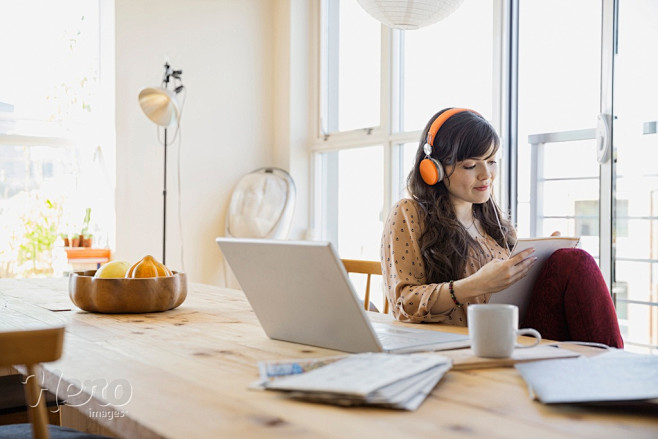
x: 113, y: 269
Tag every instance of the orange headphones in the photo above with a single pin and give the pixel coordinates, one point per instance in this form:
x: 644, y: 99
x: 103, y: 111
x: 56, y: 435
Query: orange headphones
x: 431, y: 170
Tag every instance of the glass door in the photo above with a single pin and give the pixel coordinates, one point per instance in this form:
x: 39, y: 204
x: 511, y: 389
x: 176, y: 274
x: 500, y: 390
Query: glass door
x: 588, y: 142
x: 635, y: 172
x: 559, y: 97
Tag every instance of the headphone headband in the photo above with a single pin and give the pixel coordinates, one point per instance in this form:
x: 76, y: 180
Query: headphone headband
x: 431, y: 170
x: 439, y: 121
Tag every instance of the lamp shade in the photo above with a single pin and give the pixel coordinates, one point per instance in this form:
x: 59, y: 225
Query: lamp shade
x: 409, y: 14
x: 160, y: 105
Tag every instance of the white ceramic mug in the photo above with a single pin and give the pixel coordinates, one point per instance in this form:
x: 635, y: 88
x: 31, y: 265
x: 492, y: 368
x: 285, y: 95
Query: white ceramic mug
x: 493, y: 329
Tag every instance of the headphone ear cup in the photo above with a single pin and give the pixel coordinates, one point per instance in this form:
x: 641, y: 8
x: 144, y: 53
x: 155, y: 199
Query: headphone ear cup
x: 439, y: 169
x: 431, y: 171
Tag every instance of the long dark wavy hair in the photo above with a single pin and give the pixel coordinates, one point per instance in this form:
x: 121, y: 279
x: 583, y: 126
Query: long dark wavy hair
x: 445, y: 243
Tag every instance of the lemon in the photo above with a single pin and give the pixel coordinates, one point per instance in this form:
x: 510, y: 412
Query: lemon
x: 113, y: 269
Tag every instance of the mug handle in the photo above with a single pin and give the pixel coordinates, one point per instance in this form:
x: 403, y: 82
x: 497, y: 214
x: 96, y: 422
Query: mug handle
x: 531, y: 332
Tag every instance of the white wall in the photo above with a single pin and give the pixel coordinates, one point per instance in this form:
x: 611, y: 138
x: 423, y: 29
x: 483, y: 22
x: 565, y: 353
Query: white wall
x: 226, y: 51
x: 295, y: 85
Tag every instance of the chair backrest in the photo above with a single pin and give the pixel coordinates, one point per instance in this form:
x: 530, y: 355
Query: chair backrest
x: 29, y: 348
x: 368, y: 268
x: 262, y: 205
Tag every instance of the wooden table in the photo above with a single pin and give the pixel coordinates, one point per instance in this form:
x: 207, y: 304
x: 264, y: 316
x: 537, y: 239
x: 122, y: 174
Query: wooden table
x: 187, y: 373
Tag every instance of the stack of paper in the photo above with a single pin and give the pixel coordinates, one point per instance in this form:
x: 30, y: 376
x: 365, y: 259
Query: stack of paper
x: 376, y: 379
x: 612, y: 376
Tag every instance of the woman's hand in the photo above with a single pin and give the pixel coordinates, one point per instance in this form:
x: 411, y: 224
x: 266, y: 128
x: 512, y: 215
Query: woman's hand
x: 497, y: 275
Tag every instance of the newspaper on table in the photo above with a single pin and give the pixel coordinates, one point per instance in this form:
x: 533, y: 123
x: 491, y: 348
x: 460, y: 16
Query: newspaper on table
x: 373, y: 379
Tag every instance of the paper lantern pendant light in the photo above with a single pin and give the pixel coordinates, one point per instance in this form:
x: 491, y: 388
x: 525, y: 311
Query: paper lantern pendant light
x: 409, y: 14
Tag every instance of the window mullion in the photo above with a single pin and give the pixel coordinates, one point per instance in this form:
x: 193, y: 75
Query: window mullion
x: 508, y: 102
x: 352, y: 139
x: 29, y: 140
x: 388, y: 113
x: 330, y: 51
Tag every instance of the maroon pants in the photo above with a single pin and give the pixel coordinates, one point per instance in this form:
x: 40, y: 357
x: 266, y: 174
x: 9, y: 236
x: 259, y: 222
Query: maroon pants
x: 571, y: 302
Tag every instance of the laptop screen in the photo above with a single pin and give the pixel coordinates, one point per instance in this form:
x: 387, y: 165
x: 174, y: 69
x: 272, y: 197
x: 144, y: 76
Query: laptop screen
x: 300, y: 292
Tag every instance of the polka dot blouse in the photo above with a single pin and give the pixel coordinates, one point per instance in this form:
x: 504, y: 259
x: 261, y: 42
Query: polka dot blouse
x: 403, y: 270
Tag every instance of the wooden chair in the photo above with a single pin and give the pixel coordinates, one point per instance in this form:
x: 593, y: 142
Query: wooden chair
x: 369, y: 268
x: 29, y: 348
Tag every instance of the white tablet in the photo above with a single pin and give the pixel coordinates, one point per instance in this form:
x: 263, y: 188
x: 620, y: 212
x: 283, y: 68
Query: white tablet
x: 519, y: 292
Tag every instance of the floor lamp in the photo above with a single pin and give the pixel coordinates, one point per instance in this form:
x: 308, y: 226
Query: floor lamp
x: 160, y: 104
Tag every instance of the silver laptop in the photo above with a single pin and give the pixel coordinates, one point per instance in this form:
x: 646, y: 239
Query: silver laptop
x: 301, y: 293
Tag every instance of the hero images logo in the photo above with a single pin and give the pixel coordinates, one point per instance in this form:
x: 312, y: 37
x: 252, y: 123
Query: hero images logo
x: 116, y: 393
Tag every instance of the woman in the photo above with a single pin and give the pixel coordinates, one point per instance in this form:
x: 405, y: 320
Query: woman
x: 448, y: 246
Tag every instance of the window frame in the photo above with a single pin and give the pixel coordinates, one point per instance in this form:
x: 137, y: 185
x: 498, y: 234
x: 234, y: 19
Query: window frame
x: 389, y: 133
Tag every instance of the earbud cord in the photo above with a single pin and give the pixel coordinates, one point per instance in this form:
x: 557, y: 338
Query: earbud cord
x: 582, y: 343
x: 474, y: 225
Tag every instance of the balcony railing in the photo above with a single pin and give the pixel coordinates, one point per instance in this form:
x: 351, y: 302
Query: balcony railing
x: 538, y: 148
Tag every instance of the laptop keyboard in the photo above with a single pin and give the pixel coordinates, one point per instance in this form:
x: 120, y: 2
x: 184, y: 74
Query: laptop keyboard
x: 395, y: 341
x: 393, y: 337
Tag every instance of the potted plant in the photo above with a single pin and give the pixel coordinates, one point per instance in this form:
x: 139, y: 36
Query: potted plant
x: 84, y: 240
x: 36, y: 245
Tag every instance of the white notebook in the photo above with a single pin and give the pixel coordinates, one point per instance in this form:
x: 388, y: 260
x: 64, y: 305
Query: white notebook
x: 611, y: 376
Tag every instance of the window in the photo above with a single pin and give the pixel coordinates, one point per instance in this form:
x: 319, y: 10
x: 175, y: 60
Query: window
x: 635, y: 202
x: 565, y: 78
x: 559, y: 63
x: 379, y: 87
x: 449, y: 64
x: 351, y: 61
x: 55, y: 132
x: 377, y: 93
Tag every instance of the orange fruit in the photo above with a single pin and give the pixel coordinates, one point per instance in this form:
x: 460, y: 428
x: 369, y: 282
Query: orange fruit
x: 148, y: 266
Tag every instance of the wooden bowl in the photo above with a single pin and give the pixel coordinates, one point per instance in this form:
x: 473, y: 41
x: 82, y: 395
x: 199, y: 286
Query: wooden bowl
x: 127, y: 295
